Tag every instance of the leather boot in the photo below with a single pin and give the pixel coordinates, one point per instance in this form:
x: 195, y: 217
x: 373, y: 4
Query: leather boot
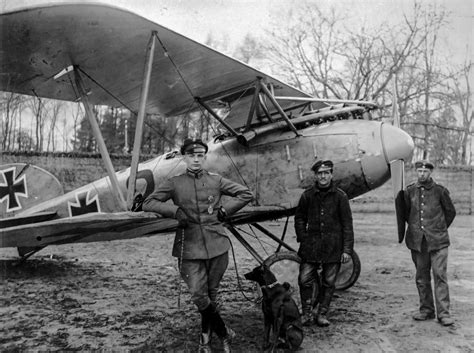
x: 227, y: 340
x: 205, y: 342
x: 322, y: 320
x: 205, y: 336
x: 307, y: 318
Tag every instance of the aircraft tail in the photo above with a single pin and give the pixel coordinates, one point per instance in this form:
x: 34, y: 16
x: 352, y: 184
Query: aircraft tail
x: 23, y: 186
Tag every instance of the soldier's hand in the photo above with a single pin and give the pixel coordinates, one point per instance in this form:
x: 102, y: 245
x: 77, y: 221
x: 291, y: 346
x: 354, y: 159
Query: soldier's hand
x: 182, y: 218
x: 221, y: 214
x: 345, y: 258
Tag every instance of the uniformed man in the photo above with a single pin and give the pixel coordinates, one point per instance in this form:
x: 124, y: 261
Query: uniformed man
x: 323, y: 224
x: 201, y: 243
x: 429, y: 212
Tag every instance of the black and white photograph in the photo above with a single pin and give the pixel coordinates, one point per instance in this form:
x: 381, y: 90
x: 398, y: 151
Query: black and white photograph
x: 236, y: 176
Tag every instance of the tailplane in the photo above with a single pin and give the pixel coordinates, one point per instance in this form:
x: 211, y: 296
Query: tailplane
x: 23, y: 186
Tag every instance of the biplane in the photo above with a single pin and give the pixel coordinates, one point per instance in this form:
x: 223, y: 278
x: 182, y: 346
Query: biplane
x: 103, y: 55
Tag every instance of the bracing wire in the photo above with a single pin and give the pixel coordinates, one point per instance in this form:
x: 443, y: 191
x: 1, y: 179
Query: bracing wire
x: 123, y: 104
x: 188, y: 88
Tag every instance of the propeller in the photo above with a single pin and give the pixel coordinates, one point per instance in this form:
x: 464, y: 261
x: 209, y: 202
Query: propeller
x: 397, y: 172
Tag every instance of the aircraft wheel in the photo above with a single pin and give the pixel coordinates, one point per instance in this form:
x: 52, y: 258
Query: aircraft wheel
x: 285, y: 266
x: 349, y: 273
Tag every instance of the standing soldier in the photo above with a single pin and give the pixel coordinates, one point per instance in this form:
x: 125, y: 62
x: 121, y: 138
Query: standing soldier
x: 201, y: 243
x: 429, y: 212
x: 323, y: 224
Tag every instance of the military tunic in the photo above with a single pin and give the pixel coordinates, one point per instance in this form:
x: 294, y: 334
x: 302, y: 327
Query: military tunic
x: 429, y: 213
x: 323, y: 225
x: 199, y: 196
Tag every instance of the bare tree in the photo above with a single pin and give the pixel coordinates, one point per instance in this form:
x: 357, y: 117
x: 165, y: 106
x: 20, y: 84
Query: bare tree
x: 462, y: 97
x: 323, y: 53
x: 54, y: 109
x: 11, y: 105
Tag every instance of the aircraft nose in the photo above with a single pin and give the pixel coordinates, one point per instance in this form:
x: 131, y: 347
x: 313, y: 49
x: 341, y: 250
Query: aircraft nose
x: 397, y: 144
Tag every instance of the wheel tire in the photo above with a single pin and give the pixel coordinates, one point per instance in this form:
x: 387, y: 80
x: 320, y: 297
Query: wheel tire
x: 285, y: 266
x: 349, y: 273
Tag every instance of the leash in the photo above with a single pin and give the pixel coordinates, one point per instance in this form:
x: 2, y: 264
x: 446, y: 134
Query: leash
x: 239, y: 283
x: 180, y: 264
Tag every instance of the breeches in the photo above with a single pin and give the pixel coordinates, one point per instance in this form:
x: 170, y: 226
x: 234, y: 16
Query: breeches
x: 426, y: 262
x: 203, y: 278
x: 325, y: 286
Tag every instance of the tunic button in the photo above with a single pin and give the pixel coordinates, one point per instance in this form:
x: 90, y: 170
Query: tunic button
x: 421, y: 211
x: 421, y: 218
x: 422, y: 227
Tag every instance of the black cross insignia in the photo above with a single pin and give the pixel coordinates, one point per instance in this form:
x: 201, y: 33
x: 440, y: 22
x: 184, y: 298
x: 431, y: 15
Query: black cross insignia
x: 12, y: 188
x: 83, y: 204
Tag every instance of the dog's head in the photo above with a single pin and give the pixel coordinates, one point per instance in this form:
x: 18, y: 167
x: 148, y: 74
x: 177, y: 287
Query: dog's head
x: 262, y: 275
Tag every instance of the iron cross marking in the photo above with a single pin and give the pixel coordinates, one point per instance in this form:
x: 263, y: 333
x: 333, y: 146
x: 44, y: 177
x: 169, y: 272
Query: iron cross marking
x: 83, y: 205
x: 12, y: 188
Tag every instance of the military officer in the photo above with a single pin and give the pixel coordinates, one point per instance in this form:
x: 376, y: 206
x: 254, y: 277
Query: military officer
x: 201, y: 243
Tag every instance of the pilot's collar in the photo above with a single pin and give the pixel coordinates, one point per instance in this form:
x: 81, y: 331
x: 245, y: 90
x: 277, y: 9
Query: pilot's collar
x: 195, y: 173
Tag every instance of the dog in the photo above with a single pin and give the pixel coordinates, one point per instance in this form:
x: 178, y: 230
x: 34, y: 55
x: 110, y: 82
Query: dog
x: 282, y: 319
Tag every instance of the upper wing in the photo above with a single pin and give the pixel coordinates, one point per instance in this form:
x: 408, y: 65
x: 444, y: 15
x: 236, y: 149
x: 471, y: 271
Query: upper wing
x: 109, y: 45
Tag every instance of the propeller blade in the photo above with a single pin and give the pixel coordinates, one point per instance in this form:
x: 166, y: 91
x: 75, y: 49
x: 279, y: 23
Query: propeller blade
x: 397, y: 171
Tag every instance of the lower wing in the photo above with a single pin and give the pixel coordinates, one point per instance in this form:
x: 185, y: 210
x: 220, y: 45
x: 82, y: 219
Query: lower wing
x: 94, y: 227
x: 86, y: 228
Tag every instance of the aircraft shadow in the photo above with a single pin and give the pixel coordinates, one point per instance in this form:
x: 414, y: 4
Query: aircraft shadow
x: 37, y: 268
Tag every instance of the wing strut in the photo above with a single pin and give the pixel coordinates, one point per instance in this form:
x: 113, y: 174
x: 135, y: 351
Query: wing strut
x: 277, y: 106
x: 253, y: 106
x: 100, y: 140
x: 140, y: 119
x: 217, y: 117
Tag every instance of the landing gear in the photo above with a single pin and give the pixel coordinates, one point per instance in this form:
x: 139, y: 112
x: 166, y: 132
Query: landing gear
x: 285, y: 265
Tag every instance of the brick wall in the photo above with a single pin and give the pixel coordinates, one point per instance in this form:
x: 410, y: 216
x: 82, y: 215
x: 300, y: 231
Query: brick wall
x: 74, y: 170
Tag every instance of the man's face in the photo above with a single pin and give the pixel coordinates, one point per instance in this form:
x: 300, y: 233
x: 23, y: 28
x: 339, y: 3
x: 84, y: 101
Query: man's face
x: 195, y: 158
x: 324, y: 177
x: 423, y: 174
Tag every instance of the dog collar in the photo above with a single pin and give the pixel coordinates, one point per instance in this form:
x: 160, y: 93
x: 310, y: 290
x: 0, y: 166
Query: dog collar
x: 271, y: 285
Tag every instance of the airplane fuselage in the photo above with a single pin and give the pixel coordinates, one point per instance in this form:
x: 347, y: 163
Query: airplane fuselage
x: 275, y: 166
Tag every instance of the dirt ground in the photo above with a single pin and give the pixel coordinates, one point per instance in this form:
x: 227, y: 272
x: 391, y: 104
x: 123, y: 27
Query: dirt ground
x: 124, y: 295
